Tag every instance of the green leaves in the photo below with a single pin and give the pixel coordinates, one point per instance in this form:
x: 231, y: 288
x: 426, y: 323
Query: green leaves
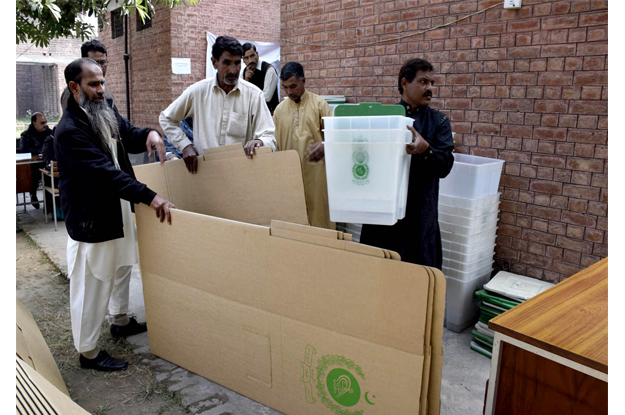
x: 40, y: 21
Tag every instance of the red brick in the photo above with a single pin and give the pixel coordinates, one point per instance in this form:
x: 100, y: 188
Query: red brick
x: 516, y: 130
x: 574, y: 244
x: 540, y: 224
x: 546, y: 133
x: 536, y: 260
x: 525, y: 222
x: 584, y: 164
x: 575, y: 231
x: 515, y: 182
x: 594, y: 235
x: 553, y: 188
x: 597, y: 33
x: 553, y: 252
x: 549, y: 161
x: 542, y: 199
x: 483, y: 128
x: 544, y: 212
x: 601, y: 250
x: 592, y: 63
x: 536, y: 236
x: 591, y: 78
x: 509, y: 230
x: 529, y: 78
x: 545, y: 173
x: 555, y: 78
x: 593, y: 19
x: 588, y: 136
x: 581, y: 177
x: 557, y: 228
x: 554, y: 51
x: 591, y: 92
x: 588, y: 260
x: 512, y: 207
x: 551, y: 106
x: 559, y: 202
x: 565, y: 149
x: 569, y: 121
x: 588, y: 121
x: 577, y: 205
x: 490, y: 79
x: 573, y: 64
x: 492, y: 54
x: 597, y: 208
x: 584, y: 192
x: 459, y: 79
x: 589, y: 107
x: 491, y: 28
x: 536, y: 248
x: 506, y: 253
x: 571, y: 257
x: 565, y: 268
x: 562, y: 7
x: 551, y: 23
x: 436, y: 10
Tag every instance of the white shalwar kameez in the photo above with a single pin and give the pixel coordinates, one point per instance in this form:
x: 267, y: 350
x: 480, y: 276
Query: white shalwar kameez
x: 99, y: 276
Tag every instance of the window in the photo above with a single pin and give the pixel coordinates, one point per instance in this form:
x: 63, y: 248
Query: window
x: 117, y: 24
x: 144, y: 25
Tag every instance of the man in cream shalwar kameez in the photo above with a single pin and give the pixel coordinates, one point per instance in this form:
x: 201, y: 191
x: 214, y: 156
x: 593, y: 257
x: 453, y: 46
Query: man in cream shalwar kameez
x: 299, y: 125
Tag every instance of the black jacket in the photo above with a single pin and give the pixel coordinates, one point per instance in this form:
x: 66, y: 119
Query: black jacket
x: 417, y: 237
x: 89, y: 184
x: 31, y: 140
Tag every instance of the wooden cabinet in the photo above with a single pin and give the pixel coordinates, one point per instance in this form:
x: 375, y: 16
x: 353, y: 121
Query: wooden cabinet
x: 550, y: 354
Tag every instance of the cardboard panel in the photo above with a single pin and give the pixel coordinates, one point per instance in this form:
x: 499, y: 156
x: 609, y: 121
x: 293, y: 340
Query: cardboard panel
x: 221, y: 257
x: 381, y: 380
x: 380, y: 301
x: 153, y: 175
x: 436, y: 370
x: 224, y: 340
x: 33, y: 349
x: 309, y: 230
x: 267, y: 187
x: 36, y: 395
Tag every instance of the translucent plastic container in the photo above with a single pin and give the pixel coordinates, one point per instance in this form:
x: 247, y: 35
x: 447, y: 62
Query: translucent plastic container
x: 483, y: 238
x: 468, y: 266
x: 468, y: 221
x: 367, y: 136
x: 377, y: 122
x: 461, y: 309
x: 467, y: 230
x: 468, y: 213
x: 467, y: 275
x: 472, y: 177
x: 463, y: 249
x: 477, y: 255
x: 466, y: 203
x: 365, y: 182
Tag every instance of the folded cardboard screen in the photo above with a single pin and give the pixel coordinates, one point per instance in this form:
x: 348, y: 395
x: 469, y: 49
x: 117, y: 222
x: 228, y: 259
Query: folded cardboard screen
x: 300, y: 319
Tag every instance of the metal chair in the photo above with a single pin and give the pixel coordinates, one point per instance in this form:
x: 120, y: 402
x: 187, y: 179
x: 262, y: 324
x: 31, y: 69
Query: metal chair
x: 53, y: 174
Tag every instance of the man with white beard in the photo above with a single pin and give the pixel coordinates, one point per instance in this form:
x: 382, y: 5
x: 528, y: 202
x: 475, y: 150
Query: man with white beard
x: 97, y: 188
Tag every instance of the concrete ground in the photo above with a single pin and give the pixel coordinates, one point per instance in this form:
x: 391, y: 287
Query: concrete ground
x: 464, y: 371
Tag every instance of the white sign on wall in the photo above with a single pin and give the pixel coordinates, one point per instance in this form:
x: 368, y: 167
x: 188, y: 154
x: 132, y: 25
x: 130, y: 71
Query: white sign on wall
x: 181, y: 66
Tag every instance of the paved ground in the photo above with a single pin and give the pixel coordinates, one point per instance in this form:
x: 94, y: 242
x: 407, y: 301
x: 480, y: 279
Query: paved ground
x: 464, y: 371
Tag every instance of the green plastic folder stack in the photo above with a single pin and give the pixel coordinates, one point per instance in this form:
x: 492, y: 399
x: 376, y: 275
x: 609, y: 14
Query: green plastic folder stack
x: 490, y: 305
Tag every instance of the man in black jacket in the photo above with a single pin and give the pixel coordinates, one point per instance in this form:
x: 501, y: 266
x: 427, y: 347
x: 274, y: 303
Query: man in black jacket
x: 265, y: 77
x: 98, y: 187
x: 31, y: 141
x: 417, y: 237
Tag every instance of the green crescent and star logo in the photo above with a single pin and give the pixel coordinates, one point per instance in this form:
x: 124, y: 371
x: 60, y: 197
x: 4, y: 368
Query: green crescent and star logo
x: 338, y: 383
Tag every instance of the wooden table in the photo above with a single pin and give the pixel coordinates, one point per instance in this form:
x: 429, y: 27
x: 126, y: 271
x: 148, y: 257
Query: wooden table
x: 23, y: 178
x: 550, y: 354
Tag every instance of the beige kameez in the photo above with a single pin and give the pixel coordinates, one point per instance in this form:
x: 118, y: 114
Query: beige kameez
x: 298, y: 126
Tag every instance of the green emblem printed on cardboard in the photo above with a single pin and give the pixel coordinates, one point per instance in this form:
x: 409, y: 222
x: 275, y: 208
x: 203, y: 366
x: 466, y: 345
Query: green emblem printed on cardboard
x: 336, y: 377
x: 307, y: 376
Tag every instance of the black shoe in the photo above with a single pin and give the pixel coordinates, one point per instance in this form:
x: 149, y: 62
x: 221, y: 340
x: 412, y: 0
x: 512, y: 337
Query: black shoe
x: 130, y: 329
x: 33, y: 198
x: 103, y: 362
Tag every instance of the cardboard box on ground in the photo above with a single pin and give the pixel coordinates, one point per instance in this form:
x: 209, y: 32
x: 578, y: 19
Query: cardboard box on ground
x: 40, y: 388
x: 240, y: 290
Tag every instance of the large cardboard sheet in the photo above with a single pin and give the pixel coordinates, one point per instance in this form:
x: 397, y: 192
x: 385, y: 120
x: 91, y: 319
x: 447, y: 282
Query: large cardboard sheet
x: 297, y: 318
x: 32, y: 348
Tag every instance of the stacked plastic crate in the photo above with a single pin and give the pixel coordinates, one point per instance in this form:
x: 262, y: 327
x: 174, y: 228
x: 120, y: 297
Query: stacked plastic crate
x: 468, y: 213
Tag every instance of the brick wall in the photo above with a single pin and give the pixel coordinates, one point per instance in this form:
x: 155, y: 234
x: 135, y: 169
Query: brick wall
x: 60, y: 51
x: 178, y: 33
x: 528, y: 87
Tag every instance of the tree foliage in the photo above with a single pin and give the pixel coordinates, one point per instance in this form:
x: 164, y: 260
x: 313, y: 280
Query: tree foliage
x: 40, y: 21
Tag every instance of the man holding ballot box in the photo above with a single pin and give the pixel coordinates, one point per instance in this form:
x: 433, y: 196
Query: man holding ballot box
x: 417, y: 237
